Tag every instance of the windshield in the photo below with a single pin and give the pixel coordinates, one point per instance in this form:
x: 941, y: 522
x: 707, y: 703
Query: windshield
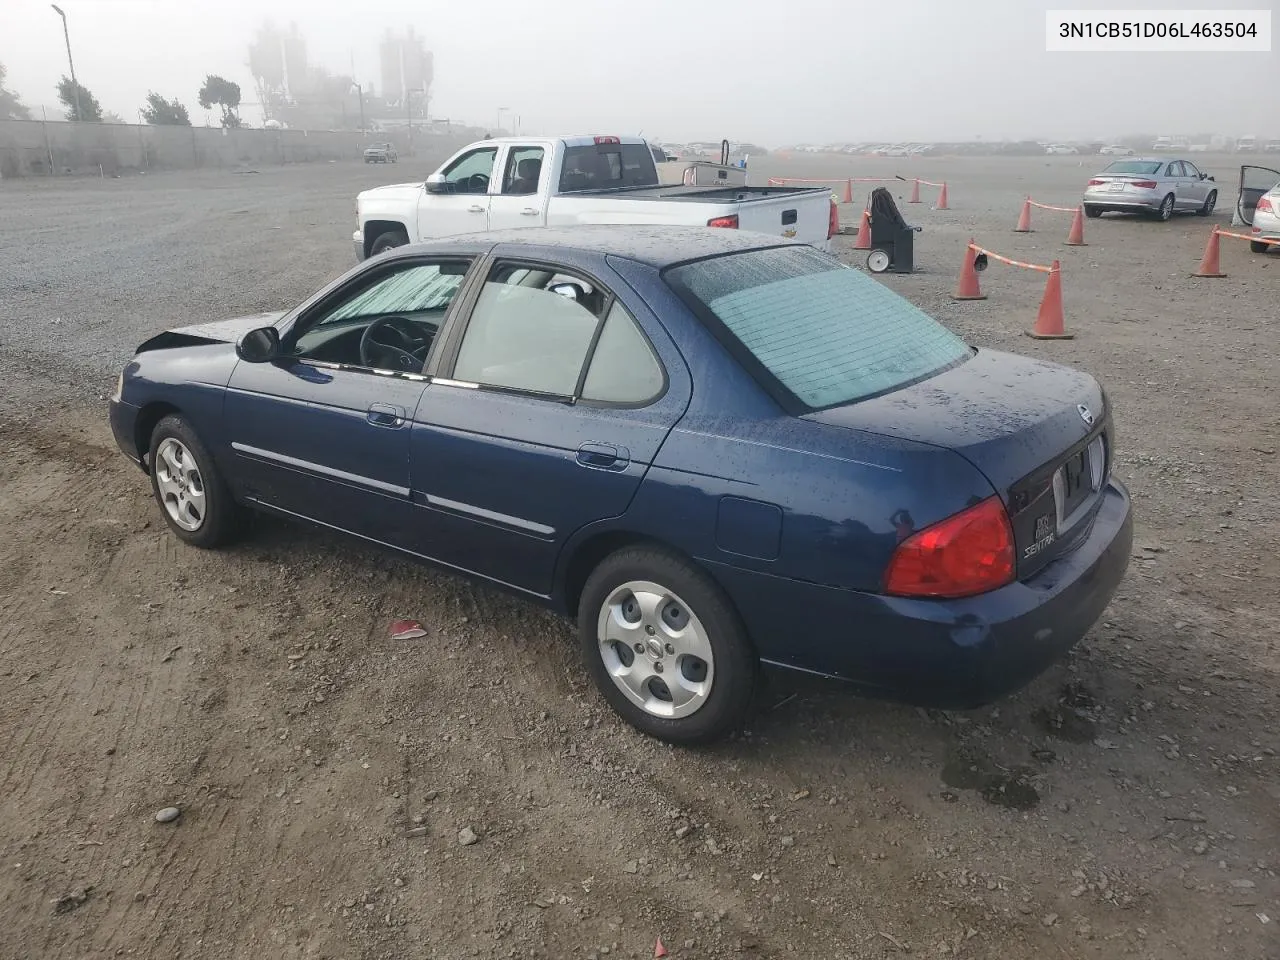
x: 1134, y: 166
x: 823, y: 332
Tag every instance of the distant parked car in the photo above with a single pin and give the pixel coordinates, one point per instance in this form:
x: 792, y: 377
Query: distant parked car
x: 1258, y: 206
x: 1064, y: 148
x: 1271, y: 146
x: 380, y: 153
x: 715, y: 449
x: 1161, y: 186
x: 1116, y: 150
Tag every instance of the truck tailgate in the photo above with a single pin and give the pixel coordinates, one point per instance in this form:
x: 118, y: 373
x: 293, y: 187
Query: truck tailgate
x: 803, y: 216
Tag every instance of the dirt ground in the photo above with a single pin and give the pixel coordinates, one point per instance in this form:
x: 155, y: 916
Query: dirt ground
x: 1127, y: 804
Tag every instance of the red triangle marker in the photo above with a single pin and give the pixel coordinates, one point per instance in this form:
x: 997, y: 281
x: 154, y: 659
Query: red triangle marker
x: 658, y: 949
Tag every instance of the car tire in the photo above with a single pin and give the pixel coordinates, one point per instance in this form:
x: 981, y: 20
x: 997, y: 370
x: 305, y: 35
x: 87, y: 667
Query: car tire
x: 1257, y: 246
x: 1165, y: 211
x: 385, y: 241
x: 1092, y: 212
x: 677, y: 612
x: 1210, y: 202
x: 191, y: 493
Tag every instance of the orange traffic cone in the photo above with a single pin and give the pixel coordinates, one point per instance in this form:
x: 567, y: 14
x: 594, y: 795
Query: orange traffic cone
x: 967, y: 288
x: 863, y: 239
x: 1209, y: 262
x: 1024, y: 218
x: 1075, y: 238
x: 833, y: 225
x: 915, y: 191
x: 848, y: 191
x: 1049, y: 322
x: 942, y: 199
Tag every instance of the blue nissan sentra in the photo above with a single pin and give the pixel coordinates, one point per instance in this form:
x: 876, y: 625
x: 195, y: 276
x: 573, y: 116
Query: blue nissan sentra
x: 716, y: 450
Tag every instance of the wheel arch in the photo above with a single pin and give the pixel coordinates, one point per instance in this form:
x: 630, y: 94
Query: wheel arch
x: 144, y: 426
x: 373, y: 229
x: 582, y: 556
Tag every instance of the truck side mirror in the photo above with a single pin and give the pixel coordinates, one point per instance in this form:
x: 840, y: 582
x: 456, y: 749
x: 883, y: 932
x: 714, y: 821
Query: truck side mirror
x: 436, y: 183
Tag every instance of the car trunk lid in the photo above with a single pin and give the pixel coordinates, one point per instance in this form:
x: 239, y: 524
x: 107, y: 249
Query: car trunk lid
x: 1038, y: 431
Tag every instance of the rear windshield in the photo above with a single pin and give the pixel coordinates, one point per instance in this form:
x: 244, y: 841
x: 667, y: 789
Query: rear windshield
x: 605, y: 166
x: 1134, y: 166
x: 824, y: 333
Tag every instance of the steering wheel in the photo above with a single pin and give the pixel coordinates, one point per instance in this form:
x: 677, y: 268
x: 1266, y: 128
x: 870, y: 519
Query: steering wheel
x: 478, y: 182
x: 408, y: 357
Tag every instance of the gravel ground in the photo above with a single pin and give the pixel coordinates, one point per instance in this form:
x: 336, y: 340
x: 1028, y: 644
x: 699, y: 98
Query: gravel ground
x: 1127, y: 804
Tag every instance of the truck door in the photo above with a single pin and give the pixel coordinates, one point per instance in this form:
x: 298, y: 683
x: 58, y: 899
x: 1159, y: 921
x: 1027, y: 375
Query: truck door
x: 520, y: 196
x: 461, y: 203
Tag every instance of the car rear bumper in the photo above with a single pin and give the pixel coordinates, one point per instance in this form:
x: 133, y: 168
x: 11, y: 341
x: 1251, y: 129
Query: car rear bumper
x: 1265, y: 227
x: 953, y: 654
x: 1128, y: 200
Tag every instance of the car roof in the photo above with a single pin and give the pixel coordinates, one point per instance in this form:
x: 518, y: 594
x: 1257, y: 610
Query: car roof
x: 654, y: 245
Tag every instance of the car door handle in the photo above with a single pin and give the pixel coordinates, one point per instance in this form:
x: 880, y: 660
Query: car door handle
x: 385, y: 415
x: 603, y: 456
x: 529, y: 212
x: 476, y: 209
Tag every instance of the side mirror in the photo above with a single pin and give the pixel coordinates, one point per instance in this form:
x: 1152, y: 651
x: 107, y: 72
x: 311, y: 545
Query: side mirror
x: 436, y: 183
x: 259, y: 346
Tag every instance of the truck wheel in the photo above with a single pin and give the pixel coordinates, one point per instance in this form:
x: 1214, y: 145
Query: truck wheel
x: 385, y: 241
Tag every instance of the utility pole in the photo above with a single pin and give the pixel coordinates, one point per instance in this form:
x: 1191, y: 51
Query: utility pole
x: 67, y: 36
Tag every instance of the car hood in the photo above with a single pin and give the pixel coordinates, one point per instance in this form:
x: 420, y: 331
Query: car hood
x: 219, y: 331
x: 392, y: 191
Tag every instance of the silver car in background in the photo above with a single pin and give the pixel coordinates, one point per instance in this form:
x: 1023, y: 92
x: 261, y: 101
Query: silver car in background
x: 1161, y: 186
x: 1258, y: 207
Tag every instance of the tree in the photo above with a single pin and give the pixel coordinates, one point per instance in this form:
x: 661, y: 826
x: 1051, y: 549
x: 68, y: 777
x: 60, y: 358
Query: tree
x: 225, y: 94
x: 162, y: 112
x: 90, y: 109
x: 11, y: 107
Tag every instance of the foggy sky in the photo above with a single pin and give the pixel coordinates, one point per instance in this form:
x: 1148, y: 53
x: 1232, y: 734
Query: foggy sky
x: 769, y: 71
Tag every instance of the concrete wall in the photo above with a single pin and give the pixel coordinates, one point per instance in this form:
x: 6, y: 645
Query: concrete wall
x: 38, y: 148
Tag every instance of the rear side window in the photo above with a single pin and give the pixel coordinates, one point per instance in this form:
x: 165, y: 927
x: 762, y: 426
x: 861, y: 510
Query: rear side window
x: 623, y: 368
x: 822, y: 334
x: 605, y: 166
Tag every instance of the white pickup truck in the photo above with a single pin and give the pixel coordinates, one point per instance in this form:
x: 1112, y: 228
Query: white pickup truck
x: 525, y: 182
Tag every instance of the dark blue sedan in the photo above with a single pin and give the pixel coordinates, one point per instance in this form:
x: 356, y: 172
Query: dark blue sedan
x: 715, y: 449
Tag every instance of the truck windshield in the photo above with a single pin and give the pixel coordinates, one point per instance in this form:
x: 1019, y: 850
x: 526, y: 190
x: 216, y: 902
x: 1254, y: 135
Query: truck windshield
x: 606, y: 166
x: 819, y: 333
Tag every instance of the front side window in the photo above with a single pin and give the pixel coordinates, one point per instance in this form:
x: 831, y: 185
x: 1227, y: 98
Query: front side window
x: 388, y: 322
x: 819, y: 333
x: 471, y: 172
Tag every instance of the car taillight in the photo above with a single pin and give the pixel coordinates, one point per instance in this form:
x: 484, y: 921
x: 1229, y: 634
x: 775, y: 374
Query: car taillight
x: 833, y: 221
x: 1264, y: 205
x: 601, y: 141
x: 730, y: 223
x: 1096, y: 183
x: 1144, y: 184
x: 969, y: 553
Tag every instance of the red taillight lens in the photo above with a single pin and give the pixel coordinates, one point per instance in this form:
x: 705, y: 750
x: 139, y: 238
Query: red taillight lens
x: 1264, y: 205
x: 601, y: 141
x: 1144, y: 184
x: 1096, y: 183
x: 971, y: 552
x: 730, y: 223
x: 833, y: 221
